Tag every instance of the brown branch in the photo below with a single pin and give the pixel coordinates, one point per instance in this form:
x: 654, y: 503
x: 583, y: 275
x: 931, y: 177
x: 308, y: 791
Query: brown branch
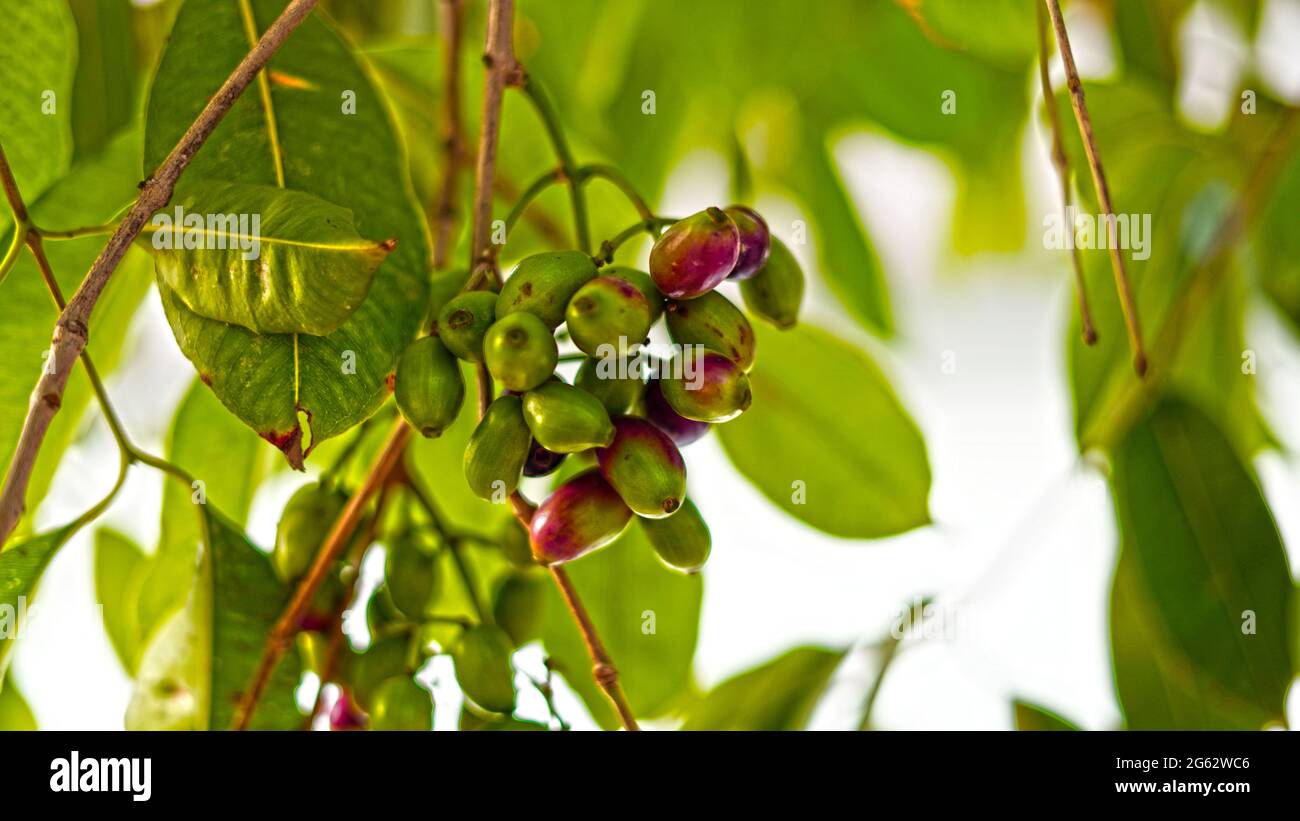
x: 504, y: 70
x: 70, y: 332
x: 1062, y: 166
x: 452, y: 18
x: 1122, y: 283
x: 390, y: 456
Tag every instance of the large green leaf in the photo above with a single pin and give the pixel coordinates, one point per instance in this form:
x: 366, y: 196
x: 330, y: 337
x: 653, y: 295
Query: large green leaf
x: 104, y: 89
x: 1201, y: 599
x: 268, y: 380
x: 91, y: 193
x: 21, y: 566
x: 119, y: 568
x: 648, y: 617
x: 1032, y: 717
x: 196, y: 666
x: 300, y: 268
x: 15, y: 715
x: 827, y: 441
x: 778, y: 695
x: 229, y: 474
x: 37, y: 60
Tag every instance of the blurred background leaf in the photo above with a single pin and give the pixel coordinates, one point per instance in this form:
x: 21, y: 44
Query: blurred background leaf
x: 15, y: 715
x: 119, y: 570
x: 1032, y: 717
x: 778, y: 695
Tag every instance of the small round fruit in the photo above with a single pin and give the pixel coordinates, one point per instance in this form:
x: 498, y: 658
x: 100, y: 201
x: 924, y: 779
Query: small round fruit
x: 401, y: 704
x: 658, y: 412
x: 464, y: 321
x: 498, y: 449
x: 513, y: 541
x: 645, y: 467
x: 581, y: 515
x: 520, y: 608
x: 755, y: 241
x: 482, y: 659
x: 412, y: 577
x: 682, y: 541
x: 611, y: 381
x: 384, y: 657
x: 566, y: 419
x: 306, y: 521
x: 696, y: 254
x: 607, y: 311
x: 542, y: 462
x: 429, y: 388
x: 707, y: 388
x: 643, y: 282
x: 520, y: 351
x: 543, y: 284
x: 443, y: 287
x: 776, y: 291
x: 712, y: 321
x: 345, y: 715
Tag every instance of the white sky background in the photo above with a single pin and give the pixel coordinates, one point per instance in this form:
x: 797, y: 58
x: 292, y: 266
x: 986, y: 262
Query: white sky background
x: 1023, y: 545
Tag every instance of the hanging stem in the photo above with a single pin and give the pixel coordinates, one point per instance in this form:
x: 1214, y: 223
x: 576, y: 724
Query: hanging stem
x: 551, y: 121
x: 1122, y: 284
x: 1062, y: 166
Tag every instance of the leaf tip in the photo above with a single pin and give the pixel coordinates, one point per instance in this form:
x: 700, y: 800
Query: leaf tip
x: 290, y: 444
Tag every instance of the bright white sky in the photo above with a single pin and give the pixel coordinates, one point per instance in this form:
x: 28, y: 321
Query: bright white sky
x: 1024, y: 543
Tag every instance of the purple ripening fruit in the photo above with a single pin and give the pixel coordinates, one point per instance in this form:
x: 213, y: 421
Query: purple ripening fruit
x: 581, y: 515
x: 695, y: 254
x: 755, y: 241
x: 542, y: 462
x: 683, y: 431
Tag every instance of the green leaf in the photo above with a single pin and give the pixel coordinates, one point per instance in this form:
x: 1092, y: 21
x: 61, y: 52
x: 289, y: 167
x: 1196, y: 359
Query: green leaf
x: 778, y: 695
x: 1200, y: 607
x: 1032, y: 717
x: 825, y: 416
x: 103, y: 91
x: 195, y: 668
x: 21, y: 566
x: 267, y: 380
x: 648, y: 617
x: 90, y: 194
x: 15, y: 715
x: 1000, y: 32
x: 269, y: 259
x: 37, y: 60
x: 1278, y: 242
x: 229, y: 474
x: 119, y: 567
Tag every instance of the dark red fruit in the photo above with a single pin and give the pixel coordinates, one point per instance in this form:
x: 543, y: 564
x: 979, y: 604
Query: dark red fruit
x: 542, y: 462
x: 755, y: 241
x: 696, y: 254
x: 681, y: 430
x: 581, y: 515
x: 345, y: 715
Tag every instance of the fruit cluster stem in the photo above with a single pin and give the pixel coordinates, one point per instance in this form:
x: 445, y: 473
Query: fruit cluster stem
x: 72, y: 327
x: 1122, y: 283
x: 451, y: 15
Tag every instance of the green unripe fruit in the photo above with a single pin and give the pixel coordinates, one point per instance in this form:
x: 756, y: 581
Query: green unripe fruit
x: 482, y: 658
x: 512, y: 538
x: 464, y: 321
x: 520, y: 608
x: 381, y: 611
x: 601, y: 378
x: 520, y: 352
x: 498, y: 448
x: 566, y: 419
x: 401, y: 704
x: 645, y: 467
x: 682, y: 541
x: 607, y: 311
x: 543, y: 284
x: 643, y: 282
x: 444, y: 287
x: 306, y: 521
x: 386, y: 657
x: 412, y: 577
x: 707, y: 388
x: 581, y: 515
x: 776, y: 291
x: 429, y: 388
x: 712, y: 321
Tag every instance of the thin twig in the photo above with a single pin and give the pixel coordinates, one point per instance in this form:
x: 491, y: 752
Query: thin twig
x: 1122, y: 283
x: 282, y: 633
x: 551, y: 121
x: 603, y: 669
x: 70, y: 332
x: 1062, y: 166
x: 452, y: 18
